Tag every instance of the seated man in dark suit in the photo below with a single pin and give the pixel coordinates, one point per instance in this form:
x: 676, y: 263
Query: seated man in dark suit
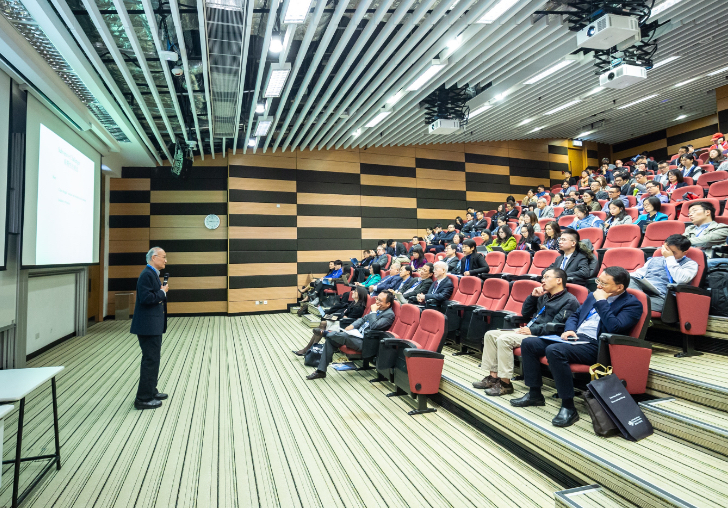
x: 390, y: 281
x: 406, y: 281
x: 422, y: 286
x: 572, y: 260
x: 395, y: 249
x: 441, y: 289
x: 609, y: 309
x: 451, y: 258
x: 380, y: 317
x: 480, y: 224
x: 438, y: 243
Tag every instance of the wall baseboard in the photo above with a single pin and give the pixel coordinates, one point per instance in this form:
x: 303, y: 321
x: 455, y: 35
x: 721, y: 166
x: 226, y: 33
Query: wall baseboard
x: 49, y: 346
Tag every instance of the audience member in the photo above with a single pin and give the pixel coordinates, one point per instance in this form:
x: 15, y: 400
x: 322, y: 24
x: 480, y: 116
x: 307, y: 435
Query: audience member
x: 415, y: 243
x: 343, y: 309
x: 675, y: 181
x: 673, y: 267
x: 528, y: 241
x: 480, y: 225
x: 568, y: 178
x: 705, y: 233
x: 443, y: 238
x: 530, y: 197
x: 395, y: 249
x: 715, y: 158
x: 429, y: 235
x: 511, y: 212
x: 487, y: 238
x: 406, y: 280
x: 543, y: 209
x: 649, y: 164
x: 417, y: 260
x: 583, y: 219
x: 614, y: 194
x: 552, y: 232
x: 441, y: 289
x: 622, y: 182
x: 569, y: 204
x: 451, y: 257
x: 653, y: 190
x: 690, y: 168
x: 639, y: 184
x: 661, y: 175
x: 719, y: 142
x: 469, y: 223
x: 586, y: 179
x: 548, y: 303
x: 380, y: 317
x: 317, y: 286
x: 610, y: 309
x: 503, y: 239
x: 390, y: 281
x: 680, y: 152
x: 616, y: 215
x: 651, y: 207
x: 540, y: 191
x: 557, y: 200
x: 374, y: 276
x: 473, y: 262
x: 590, y: 201
x: 422, y: 286
x: 572, y: 260
x: 457, y: 242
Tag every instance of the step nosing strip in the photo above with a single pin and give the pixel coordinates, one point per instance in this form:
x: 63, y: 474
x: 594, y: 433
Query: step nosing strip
x: 678, y: 416
x: 654, y: 489
x: 690, y: 381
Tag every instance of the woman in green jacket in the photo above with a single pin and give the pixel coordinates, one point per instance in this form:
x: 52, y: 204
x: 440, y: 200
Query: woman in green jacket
x: 374, y: 276
x: 505, y: 240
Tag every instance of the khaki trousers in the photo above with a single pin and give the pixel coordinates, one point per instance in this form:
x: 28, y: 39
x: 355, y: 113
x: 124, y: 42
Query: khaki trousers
x: 498, y: 346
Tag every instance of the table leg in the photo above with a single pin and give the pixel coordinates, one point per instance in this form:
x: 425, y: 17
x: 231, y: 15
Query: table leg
x: 16, y: 474
x: 55, y: 425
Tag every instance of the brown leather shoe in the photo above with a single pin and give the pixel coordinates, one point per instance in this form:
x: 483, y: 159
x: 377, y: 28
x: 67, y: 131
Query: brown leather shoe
x: 317, y: 374
x: 486, y: 383
x: 500, y: 388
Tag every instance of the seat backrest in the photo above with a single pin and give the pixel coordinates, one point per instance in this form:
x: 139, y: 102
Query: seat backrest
x: 423, y: 244
x: 440, y: 256
x: 429, y: 257
x: 406, y: 324
x: 624, y: 235
x: 455, y: 284
x: 594, y: 235
x: 541, y: 236
x: 669, y: 210
x: 631, y: 200
x: 370, y: 301
x: 519, y: 292
x: 678, y: 194
x: 686, y: 207
x: 467, y: 291
x: 708, y: 178
x: 566, y: 220
x: 494, y: 294
x: 460, y: 255
x: 696, y: 255
x: 542, y: 260
x: 600, y: 214
x: 632, y: 212
x: 496, y: 261
x: 628, y: 258
x: 489, y: 213
x: 517, y: 262
x: 657, y: 232
x: 640, y: 329
x: 431, y: 330
x: 688, y: 180
x: 579, y: 292
x: 478, y: 240
x: 395, y: 308
x: 543, y: 221
x: 389, y: 262
x: 558, y: 210
x: 719, y: 189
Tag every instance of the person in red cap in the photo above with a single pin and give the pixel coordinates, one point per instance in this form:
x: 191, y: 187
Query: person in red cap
x: 719, y: 142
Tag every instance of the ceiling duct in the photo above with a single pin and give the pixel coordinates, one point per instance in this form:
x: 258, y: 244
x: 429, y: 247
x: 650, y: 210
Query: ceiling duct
x: 225, y: 26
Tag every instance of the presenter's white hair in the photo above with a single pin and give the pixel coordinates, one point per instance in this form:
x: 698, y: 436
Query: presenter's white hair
x: 151, y: 253
x: 441, y: 264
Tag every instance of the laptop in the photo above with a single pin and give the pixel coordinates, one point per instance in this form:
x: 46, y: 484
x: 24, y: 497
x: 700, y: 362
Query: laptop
x: 496, y: 248
x: 354, y: 261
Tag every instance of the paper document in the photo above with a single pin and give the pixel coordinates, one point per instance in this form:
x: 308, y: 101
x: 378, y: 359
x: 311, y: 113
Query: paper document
x: 355, y: 333
x: 646, y: 286
x: 556, y: 338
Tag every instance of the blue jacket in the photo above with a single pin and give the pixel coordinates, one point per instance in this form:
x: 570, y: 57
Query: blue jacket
x: 334, y: 274
x: 645, y: 218
x: 443, y: 237
x: 389, y: 282
x: 150, y: 309
x: 618, y: 317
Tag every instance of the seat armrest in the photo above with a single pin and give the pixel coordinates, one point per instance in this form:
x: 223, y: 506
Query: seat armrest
x: 616, y: 339
x: 400, y: 343
x: 525, y: 276
x: 554, y: 328
x: 391, y: 335
x: 503, y: 313
x: 687, y: 288
x: 515, y: 319
x: 422, y: 353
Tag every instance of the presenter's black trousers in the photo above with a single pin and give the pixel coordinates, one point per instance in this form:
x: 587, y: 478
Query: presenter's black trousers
x: 151, y: 352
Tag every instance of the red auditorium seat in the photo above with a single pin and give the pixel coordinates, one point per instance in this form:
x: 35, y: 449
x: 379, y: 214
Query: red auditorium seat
x: 629, y: 258
x: 566, y: 220
x: 704, y: 157
x: 688, y: 180
x: 420, y: 372
x: 678, y: 194
x: 657, y: 232
x: 624, y: 235
x: 429, y: 257
x: 602, y: 202
x: 600, y: 214
x: 471, y: 329
x: 633, y: 213
x: 558, y: 210
x: 579, y: 292
x: 478, y: 240
x: 440, y: 256
x: 541, y: 260
x: 517, y: 263
x: 543, y: 221
x: 632, y: 200
x: 594, y: 235
x: 489, y: 214
x: 686, y: 208
x: 403, y: 328
x: 509, y: 316
x: 719, y: 190
x: 352, y: 354
x: 669, y: 210
x: 692, y: 308
x: 541, y: 236
x: 467, y: 291
x: 496, y: 261
x: 389, y: 262
x: 460, y: 255
x: 706, y: 179
x: 455, y: 285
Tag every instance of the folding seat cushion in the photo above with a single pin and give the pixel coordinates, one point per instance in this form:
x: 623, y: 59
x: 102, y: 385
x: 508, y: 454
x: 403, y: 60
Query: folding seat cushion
x: 424, y: 362
x: 719, y: 190
x: 657, y: 232
x: 624, y: 235
x: 684, y: 217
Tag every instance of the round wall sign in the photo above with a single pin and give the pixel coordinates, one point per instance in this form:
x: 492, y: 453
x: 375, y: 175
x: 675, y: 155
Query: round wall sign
x: 212, y: 221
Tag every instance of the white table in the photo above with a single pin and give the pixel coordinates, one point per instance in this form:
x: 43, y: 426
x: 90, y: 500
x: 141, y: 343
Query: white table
x: 15, y: 385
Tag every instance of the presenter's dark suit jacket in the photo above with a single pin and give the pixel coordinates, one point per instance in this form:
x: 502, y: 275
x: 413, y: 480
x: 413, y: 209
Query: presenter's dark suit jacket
x: 150, y: 310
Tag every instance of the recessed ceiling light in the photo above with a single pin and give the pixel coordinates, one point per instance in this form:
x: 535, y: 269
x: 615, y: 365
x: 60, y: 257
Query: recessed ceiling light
x: 252, y: 142
x: 680, y: 117
x: 548, y: 72
x: 638, y: 101
x: 665, y: 61
x: 526, y: 121
x: 719, y: 71
x: 584, y: 134
x: 263, y: 125
x: 276, y: 43
x: 478, y: 111
x: 374, y: 121
x: 686, y: 82
x: 537, y: 129
x: 659, y: 9
x: 497, y: 11
x: 296, y: 11
x: 562, y: 107
x: 437, y: 66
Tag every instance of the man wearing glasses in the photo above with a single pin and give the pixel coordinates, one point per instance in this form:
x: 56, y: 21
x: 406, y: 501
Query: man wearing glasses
x: 609, y: 309
x: 572, y: 260
x: 548, y: 303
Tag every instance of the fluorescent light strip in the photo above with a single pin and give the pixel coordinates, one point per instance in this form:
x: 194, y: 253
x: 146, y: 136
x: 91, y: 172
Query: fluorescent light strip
x: 297, y: 11
x: 680, y: 117
x: 277, y: 81
x: 395, y: 98
x: 562, y: 107
x: 719, y: 71
x: 665, y: 61
x: 548, y: 72
x: 497, y: 11
x: 663, y: 7
x: 526, y: 121
x: 425, y: 77
x: 263, y: 126
x: 252, y: 142
x: 356, y: 133
x: 537, y: 129
x: 478, y: 111
x: 584, y: 134
x: 643, y: 99
x: 686, y: 82
x: 374, y: 121
x: 593, y: 91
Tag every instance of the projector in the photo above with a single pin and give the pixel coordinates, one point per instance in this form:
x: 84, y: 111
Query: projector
x: 622, y: 76
x: 444, y: 126
x: 608, y: 31
x: 170, y: 56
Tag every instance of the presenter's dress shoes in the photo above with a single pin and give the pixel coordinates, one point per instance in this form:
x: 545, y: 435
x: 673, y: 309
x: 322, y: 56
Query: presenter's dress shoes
x: 566, y: 417
x: 528, y: 400
x: 161, y: 396
x: 317, y: 374
x: 147, y: 404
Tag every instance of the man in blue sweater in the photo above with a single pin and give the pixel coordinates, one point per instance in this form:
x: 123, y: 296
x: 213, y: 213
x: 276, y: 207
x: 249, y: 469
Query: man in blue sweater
x: 609, y: 309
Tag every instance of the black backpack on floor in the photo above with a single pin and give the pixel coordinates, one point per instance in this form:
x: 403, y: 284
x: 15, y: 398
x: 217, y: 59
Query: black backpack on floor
x: 716, y: 279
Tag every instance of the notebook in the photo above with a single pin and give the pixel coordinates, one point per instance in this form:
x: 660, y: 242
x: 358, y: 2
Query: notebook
x: 646, y: 286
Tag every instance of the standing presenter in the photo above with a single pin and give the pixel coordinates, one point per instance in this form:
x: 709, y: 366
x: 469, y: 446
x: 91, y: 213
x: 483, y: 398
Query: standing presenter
x: 149, y: 323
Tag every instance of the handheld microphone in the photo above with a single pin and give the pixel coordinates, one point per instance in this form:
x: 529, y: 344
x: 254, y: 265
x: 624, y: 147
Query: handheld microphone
x: 166, y: 278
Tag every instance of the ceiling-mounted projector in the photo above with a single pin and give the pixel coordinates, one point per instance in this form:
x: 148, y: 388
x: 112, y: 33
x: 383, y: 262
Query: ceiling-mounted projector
x: 608, y: 31
x: 172, y: 56
x: 622, y: 76
x: 443, y: 126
